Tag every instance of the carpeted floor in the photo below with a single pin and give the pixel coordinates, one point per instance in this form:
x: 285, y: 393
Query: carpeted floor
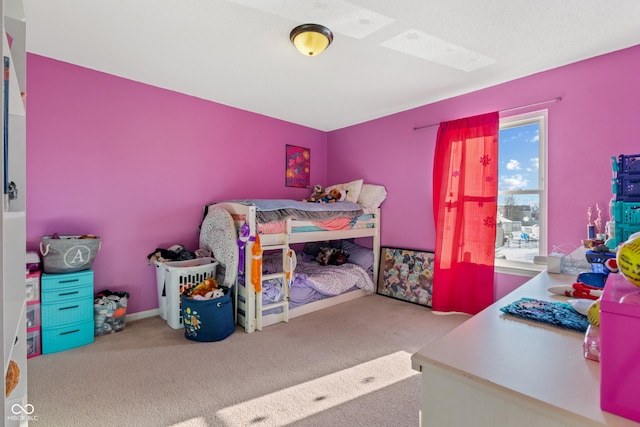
x: 347, y: 365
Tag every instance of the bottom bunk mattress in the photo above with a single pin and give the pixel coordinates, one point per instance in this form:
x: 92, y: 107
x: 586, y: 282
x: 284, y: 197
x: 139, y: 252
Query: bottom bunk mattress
x: 312, y: 281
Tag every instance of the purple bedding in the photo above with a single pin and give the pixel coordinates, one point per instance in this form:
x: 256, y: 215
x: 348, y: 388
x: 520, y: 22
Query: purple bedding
x: 312, y: 281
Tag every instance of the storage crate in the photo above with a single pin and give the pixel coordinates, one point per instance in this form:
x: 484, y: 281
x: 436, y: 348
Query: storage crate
x: 173, y: 278
x: 32, y: 262
x: 208, y: 320
x: 33, y: 286
x: 33, y: 314
x: 623, y: 231
x: 68, y: 311
x: 66, y: 337
x: 110, y: 312
x: 626, y: 188
x: 626, y: 212
x: 34, y: 343
x: 629, y: 164
x: 52, y: 283
x: 81, y: 291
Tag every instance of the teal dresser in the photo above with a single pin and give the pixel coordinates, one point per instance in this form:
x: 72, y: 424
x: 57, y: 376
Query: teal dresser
x: 66, y: 310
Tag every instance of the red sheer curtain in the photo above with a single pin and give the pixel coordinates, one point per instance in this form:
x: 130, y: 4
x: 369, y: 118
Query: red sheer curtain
x: 465, y: 189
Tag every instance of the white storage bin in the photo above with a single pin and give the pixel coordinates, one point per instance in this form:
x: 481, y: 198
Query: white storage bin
x: 33, y: 314
x: 33, y: 286
x: 173, y: 278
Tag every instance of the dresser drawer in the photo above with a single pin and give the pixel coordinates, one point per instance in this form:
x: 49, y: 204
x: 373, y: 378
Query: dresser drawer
x: 64, y: 294
x: 65, y: 312
x: 51, y: 282
x: 66, y: 337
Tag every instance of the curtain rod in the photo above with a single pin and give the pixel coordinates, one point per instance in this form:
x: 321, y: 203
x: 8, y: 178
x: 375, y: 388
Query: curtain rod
x: 557, y: 99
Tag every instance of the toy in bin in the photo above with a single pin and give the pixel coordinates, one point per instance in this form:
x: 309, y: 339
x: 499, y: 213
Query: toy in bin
x: 110, y: 311
x: 207, y: 312
x: 599, y: 259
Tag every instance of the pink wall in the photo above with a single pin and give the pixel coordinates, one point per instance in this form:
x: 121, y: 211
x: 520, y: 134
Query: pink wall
x: 596, y: 119
x: 135, y: 164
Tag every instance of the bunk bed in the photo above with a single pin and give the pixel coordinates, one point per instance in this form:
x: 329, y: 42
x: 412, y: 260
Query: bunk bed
x: 265, y: 231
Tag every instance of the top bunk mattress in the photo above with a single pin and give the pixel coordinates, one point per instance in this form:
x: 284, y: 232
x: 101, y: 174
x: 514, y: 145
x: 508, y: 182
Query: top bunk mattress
x: 275, y: 210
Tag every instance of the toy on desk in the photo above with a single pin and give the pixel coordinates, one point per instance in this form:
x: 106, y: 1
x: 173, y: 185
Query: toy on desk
x: 580, y: 305
x: 596, y: 280
x: 591, y: 343
x: 577, y: 290
x: 593, y: 313
x: 612, y: 265
x: 628, y: 259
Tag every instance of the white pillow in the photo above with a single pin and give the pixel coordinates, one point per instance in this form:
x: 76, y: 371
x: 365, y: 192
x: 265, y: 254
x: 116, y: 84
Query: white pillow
x: 350, y: 191
x: 371, y: 197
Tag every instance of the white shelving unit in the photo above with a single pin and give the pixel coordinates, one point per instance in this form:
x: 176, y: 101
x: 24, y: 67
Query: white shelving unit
x: 15, y: 411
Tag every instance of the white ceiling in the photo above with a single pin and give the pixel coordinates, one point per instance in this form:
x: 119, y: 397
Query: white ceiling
x: 387, y: 55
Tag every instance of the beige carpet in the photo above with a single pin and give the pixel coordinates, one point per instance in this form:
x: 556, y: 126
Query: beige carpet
x: 348, y: 365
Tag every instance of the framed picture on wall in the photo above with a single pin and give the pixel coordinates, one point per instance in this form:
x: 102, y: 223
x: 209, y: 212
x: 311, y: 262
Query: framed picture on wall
x: 298, y: 166
x: 406, y: 274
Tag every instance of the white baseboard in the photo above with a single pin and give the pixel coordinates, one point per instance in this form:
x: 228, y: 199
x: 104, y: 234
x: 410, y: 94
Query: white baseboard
x: 143, y: 314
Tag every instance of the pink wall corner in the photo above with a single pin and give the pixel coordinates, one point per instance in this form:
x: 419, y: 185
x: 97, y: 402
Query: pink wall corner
x: 595, y: 120
x: 135, y: 164
x: 387, y: 151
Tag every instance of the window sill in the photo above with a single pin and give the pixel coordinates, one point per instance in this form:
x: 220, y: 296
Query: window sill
x: 518, y: 268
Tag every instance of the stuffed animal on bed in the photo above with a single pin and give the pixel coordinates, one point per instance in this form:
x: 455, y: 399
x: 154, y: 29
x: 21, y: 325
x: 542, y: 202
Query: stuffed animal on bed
x: 333, y: 196
x: 317, y: 195
x: 332, y: 256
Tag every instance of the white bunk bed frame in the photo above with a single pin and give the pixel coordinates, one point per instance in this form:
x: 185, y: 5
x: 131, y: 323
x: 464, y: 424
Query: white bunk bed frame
x: 249, y: 308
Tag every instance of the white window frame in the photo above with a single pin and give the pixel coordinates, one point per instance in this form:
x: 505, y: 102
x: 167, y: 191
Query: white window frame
x: 523, y: 268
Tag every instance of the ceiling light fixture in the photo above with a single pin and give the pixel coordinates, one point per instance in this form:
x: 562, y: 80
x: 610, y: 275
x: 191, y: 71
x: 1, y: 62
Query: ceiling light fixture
x: 311, y: 39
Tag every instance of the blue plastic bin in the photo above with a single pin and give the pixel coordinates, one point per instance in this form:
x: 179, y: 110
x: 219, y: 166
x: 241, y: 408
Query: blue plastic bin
x: 208, y: 320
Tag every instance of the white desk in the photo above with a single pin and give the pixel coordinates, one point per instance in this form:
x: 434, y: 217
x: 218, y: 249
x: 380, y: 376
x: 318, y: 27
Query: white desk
x: 499, y: 371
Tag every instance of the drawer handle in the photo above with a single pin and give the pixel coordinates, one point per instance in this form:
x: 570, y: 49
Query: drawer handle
x: 69, y: 308
x: 68, y: 281
x: 70, y: 332
x: 63, y: 294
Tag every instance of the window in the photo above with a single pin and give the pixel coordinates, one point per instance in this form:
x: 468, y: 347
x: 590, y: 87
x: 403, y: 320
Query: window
x: 521, y: 232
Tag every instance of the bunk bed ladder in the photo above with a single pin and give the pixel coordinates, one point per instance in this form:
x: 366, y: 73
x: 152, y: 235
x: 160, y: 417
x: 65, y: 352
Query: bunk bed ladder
x: 284, y: 277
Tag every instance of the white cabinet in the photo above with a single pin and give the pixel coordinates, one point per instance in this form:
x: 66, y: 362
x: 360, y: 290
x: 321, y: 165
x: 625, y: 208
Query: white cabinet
x: 494, y: 370
x: 13, y: 228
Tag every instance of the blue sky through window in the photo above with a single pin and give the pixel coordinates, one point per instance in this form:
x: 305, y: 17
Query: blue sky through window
x: 518, y: 167
x: 518, y: 163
